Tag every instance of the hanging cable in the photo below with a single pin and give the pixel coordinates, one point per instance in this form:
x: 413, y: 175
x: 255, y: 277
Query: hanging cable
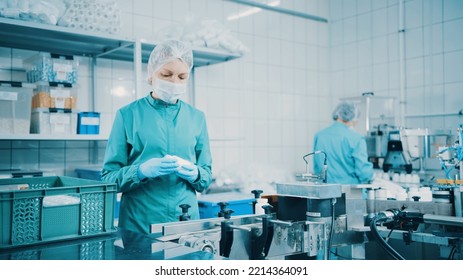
x: 325, y: 166
x: 383, y: 217
x: 330, y: 237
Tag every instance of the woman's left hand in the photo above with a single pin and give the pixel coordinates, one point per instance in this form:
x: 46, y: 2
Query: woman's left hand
x: 188, y: 172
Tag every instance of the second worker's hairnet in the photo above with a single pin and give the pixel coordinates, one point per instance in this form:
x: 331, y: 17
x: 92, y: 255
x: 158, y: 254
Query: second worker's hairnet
x: 166, y: 52
x: 347, y: 111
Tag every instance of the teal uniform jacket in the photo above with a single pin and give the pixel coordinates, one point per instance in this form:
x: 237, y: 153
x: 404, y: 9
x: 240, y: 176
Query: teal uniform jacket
x: 347, y: 158
x: 149, y: 128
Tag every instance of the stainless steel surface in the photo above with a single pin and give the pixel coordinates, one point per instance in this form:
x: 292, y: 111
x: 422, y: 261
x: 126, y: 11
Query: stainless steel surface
x: 377, y: 140
x: 417, y: 237
x: 312, y: 238
x: 198, y: 225
x: 374, y: 111
x: 423, y: 142
x: 288, y: 240
x: 458, y: 199
x: 444, y: 209
x: 123, y: 245
x: 309, y: 190
x: 443, y: 220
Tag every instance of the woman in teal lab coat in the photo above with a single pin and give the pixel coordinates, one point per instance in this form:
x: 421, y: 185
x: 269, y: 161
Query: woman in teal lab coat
x: 158, y: 151
x: 346, y: 150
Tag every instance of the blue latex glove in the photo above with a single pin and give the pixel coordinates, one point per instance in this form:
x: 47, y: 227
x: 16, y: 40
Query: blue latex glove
x: 188, y: 172
x: 155, y: 167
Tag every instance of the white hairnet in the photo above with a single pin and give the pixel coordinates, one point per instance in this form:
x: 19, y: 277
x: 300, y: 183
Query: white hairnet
x: 168, y: 51
x: 347, y: 111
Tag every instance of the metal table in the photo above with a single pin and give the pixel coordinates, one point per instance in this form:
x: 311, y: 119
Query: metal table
x: 121, y: 245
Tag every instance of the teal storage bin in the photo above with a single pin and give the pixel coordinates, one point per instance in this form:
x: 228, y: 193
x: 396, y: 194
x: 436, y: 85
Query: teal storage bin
x: 88, y: 123
x: 95, y: 173
x: 241, y: 204
x: 89, y: 173
x: 98, y: 249
x: 47, y: 209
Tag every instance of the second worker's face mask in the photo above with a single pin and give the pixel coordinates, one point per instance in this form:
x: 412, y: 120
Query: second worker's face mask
x: 167, y: 91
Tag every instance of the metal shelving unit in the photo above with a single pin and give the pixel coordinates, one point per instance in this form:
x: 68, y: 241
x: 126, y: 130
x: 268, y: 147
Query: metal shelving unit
x: 66, y: 41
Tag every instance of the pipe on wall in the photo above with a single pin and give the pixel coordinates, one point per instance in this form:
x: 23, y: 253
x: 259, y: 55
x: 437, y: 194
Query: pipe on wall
x: 402, y: 75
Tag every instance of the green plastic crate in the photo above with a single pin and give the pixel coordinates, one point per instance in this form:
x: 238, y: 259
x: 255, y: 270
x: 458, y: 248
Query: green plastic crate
x: 55, y: 208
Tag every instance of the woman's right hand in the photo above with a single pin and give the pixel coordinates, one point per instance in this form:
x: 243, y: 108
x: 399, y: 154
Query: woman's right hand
x: 155, y: 167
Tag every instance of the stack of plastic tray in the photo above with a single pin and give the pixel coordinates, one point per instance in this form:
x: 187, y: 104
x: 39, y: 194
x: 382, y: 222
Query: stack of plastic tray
x: 47, y: 209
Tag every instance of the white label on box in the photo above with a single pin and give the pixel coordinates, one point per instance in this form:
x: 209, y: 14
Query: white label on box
x: 8, y: 95
x: 90, y: 121
x: 63, y: 93
x: 62, y: 67
x: 58, y: 128
x: 59, y: 200
x: 59, y: 102
x: 60, y: 119
x: 61, y: 76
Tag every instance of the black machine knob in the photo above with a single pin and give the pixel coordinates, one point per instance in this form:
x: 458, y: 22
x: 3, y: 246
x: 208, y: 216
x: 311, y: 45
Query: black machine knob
x: 227, y: 213
x: 267, y: 209
x: 257, y: 193
x: 185, y: 216
x: 222, y: 206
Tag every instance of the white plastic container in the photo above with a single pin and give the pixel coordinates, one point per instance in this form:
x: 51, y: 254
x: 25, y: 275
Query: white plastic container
x: 258, y: 210
x: 44, y: 121
x: 15, y: 108
x: 414, y: 191
x: 401, y: 195
x: 381, y: 194
x: 46, y: 67
x: 49, y: 95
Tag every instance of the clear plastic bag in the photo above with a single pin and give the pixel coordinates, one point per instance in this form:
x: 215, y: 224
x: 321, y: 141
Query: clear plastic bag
x: 48, y: 12
x: 99, y: 16
x: 203, y: 33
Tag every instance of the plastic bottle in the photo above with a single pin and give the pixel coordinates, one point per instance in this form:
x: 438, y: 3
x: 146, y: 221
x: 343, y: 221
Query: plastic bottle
x: 401, y: 195
x: 381, y: 194
x: 396, y: 178
x: 258, y: 210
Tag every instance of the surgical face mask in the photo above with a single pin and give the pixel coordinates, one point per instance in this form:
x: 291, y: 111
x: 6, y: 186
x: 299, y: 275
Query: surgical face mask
x: 167, y: 91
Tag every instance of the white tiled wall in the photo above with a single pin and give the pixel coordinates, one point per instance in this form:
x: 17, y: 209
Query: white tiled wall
x: 263, y: 109
x: 364, y: 42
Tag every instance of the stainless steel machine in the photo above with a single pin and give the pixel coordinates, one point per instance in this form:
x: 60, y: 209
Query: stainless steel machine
x: 407, y: 150
x: 328, y: 221
x: 392, y: 147
x: 316, y: 220
x: 300, y: 223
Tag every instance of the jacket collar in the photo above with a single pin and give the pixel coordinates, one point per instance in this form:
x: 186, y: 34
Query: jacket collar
x: 160, y: 103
